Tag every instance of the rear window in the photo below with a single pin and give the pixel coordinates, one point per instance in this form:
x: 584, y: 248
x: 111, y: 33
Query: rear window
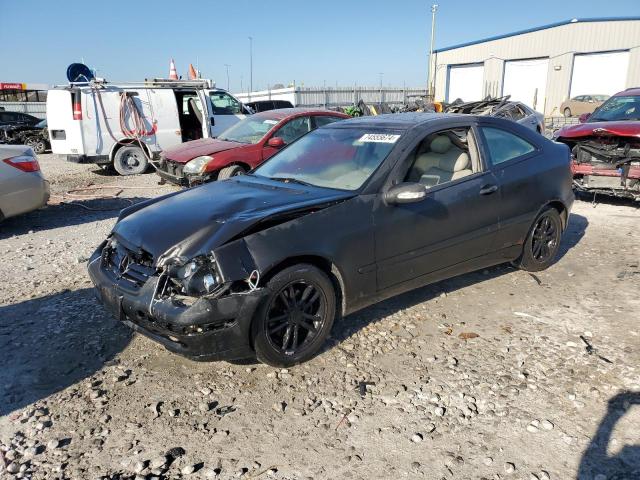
x: 504, y: 146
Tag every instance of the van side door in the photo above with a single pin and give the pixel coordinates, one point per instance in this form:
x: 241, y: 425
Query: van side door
x: 225, y: 111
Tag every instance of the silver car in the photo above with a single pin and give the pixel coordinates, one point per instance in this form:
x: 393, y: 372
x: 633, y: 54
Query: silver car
x: 23, y: 188
x: 503, y: 108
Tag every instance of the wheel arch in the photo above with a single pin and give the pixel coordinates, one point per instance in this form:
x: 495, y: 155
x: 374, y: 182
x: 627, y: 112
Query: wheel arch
x: 562, y: 210
x: 318, y: 261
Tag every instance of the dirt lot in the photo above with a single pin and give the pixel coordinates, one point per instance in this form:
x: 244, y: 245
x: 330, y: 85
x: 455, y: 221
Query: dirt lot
x: 487, y: 375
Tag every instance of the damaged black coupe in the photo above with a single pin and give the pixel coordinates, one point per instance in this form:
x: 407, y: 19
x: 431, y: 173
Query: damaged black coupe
x: 261, y: 265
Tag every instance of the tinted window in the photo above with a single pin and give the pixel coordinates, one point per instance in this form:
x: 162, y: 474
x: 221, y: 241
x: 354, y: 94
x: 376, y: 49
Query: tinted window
x: 294, y: 129
x: 322, y: 120
x: 504, y: 146
x: 224, y: 104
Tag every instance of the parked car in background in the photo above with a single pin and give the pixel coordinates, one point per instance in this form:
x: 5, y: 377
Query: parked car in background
x: 242, y: 147
x: 264, y: 105
x: 501, y: 108
x: 23, y: 188
x: 17, y: 118
x: 582, y: 104
x: 34, y: 136
x: 350, y: 214
x: 606, y: 147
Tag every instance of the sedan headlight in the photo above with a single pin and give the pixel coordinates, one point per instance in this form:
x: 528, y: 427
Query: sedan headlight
x: 196, y: 277
x: 197, y: 165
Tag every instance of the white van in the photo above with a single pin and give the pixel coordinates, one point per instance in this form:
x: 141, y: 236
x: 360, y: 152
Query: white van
x: 127, y: 125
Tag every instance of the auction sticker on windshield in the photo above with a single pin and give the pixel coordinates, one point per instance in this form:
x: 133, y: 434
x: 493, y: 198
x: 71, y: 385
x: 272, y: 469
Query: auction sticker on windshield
x: 379, y: 138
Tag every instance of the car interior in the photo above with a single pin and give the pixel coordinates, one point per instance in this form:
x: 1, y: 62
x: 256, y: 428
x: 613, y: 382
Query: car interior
x: 443, y: 157
x: 189, y: 115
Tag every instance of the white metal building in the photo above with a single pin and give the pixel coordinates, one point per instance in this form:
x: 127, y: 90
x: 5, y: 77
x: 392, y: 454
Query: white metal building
x: 544, y: 66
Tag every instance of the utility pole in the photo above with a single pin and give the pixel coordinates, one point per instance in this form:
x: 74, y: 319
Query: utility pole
x: 250, y: 66
x: 381, y: 99
x: 227, y: 67
x: 432, y: 67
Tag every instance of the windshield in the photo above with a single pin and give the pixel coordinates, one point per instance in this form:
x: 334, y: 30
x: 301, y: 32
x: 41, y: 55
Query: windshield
x: 342, y: 158
x: 600, y: 98
x: 249, y: 130
x: 618, y: 108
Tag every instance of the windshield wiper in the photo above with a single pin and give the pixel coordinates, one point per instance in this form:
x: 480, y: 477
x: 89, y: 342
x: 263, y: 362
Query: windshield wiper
x: 292, y: 180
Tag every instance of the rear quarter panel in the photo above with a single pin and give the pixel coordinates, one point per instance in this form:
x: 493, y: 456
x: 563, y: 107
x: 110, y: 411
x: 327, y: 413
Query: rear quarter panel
x: 530, y: 182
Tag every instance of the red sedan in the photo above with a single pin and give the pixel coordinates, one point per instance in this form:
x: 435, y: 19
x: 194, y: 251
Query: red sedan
x: 242, y: 147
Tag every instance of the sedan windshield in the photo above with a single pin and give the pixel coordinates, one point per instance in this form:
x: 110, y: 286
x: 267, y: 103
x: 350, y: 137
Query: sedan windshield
x: 341, y: 158
x: 618, y: 108
x: 249, y: 130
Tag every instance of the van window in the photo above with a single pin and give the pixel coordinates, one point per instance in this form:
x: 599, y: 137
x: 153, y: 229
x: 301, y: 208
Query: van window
x: 224, y: 104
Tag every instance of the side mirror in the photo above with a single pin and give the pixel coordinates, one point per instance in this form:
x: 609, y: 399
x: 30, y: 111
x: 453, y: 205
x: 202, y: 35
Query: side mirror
x: 405, y: 193
x: 584, y: 117
x: 276, y: 142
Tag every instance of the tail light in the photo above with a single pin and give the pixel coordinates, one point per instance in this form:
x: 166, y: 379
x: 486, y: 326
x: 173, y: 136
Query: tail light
x: 26, y: 163
x: 76, y: 105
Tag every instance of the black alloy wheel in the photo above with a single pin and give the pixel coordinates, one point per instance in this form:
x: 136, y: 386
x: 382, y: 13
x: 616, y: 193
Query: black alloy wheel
x: 543, y: 242
x: 545, y: 239
x: 296, y: 318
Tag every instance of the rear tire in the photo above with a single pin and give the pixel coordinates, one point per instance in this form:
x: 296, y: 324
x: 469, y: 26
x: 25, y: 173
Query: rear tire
x: 230, y: 171
x: 567, y: 112
x: 543, y: 242
x: 37, y: 145
x: 130, y: 160
x: 293, y: 322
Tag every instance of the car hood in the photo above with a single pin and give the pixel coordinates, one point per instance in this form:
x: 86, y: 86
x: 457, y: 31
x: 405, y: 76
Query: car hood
x: 622, y: 129
x: 198, y: 220
x: 196, y: 148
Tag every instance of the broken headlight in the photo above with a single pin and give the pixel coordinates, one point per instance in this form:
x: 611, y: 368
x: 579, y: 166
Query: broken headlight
x: 197, y: 165
x: 196, y: 277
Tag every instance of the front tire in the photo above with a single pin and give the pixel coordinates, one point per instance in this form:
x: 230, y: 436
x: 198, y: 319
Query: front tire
x: 294, y: 321
x: 542, y: 243
x: 230, y: 171
x: 130, y: 160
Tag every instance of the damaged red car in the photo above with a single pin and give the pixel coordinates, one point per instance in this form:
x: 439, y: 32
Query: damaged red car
x: 242, y: 147
x: 606, y: 147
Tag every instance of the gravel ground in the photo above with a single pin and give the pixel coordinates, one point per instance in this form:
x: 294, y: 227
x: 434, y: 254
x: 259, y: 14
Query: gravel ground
x: 488, y: 375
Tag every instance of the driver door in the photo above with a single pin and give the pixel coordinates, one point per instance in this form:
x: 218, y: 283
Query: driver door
x: 225, y: 111
x: 456, y: 222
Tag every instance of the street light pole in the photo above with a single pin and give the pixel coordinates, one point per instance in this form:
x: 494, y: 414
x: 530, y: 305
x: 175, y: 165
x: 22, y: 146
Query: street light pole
x: 227, y: 67
x: 381, y: 74
x: 431, y: 77
x: 250, y: 66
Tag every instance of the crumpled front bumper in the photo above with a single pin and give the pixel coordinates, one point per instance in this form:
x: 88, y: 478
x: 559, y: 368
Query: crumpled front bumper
x: 207, y: 329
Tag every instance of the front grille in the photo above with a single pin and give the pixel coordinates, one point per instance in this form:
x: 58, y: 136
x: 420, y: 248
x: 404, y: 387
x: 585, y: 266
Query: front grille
x: 172, y: 168
x: 134, y: 267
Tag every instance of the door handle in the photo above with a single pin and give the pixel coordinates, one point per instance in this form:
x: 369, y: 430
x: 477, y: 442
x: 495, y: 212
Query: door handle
x: 488, y: 189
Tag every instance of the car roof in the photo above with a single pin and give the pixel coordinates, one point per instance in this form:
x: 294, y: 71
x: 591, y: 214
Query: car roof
x: 399, y: 121
x: 629, y: 92
x: 283, y: 113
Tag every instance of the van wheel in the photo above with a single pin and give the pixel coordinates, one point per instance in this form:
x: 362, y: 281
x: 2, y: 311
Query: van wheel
x: 295, y: 319
x: 543, y: 242
x: 567, y: 112
x: 230, y: 171
x: 130, y: 160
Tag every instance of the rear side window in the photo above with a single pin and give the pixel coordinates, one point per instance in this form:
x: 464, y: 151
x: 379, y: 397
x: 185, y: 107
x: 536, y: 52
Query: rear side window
x: 504, y: 146
x: 322, y: 120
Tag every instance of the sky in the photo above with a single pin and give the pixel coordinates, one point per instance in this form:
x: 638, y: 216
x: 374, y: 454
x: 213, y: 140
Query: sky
x: 328, y: 42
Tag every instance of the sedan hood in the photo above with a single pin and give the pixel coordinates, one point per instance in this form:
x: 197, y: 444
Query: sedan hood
x: 621, y: 129
x: 201, y: 219
x: 196, y: 148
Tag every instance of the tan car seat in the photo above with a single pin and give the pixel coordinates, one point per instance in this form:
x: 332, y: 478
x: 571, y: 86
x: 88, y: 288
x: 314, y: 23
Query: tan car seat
x: 443, y: 162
